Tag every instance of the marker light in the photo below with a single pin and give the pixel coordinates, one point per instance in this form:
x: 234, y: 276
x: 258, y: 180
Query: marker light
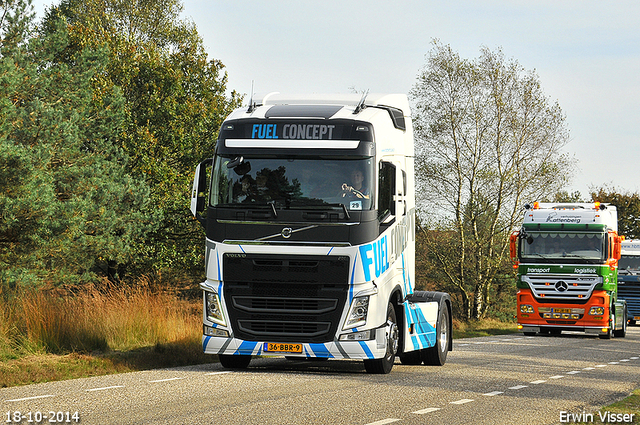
x: 596, y: 311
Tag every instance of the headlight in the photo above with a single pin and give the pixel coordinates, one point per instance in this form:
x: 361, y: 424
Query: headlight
x: 357, y: 313
x: 212, y: 308
x: 526, y: 308
x: 596, y: 311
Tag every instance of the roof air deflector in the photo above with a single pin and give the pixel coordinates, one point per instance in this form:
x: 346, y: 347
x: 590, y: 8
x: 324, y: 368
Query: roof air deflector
x: 302, y: 111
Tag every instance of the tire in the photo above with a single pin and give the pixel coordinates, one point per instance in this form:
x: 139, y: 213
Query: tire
x: 621, y: 333
x: 437, y: 355
x: 234, y: 362
x: 384, y: 365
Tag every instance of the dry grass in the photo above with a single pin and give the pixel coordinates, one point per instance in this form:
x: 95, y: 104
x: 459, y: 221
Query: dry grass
x: 485, y: 327
x: 52, y: 334
x: 55, y: 334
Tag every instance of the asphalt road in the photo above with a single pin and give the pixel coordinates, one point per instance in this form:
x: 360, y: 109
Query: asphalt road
x: 492, y: 380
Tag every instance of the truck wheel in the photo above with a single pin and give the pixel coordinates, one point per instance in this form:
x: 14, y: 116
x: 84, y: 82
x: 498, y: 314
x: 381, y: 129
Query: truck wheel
x: 437, y: 355
x: 385, y: 364
x: 621, y: 333
x: 234, y: 362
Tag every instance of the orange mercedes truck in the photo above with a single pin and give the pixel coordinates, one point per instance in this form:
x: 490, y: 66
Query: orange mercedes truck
x: 566, y: 256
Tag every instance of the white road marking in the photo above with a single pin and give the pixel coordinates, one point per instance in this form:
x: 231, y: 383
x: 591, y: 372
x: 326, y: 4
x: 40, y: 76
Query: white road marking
x: 614, y: 362
x: 32, y: 398
x: 537, y: 382
x: 573, y: 372
x: 427, y: 410
x: 518, y: 387
x: 462, y: 401
x: 106, y: 388
x: 218, y: 373
x: 556, y: 377
x: 168, y: 379
x: 633, y: 358
x: 492, y: 393
x: 384, y: 421
x: 589, y: 368
x: 601, y: 365
x: 625, y: 360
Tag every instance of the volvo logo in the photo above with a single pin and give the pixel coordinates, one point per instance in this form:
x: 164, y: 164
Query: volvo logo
x: 561, y: 286
x: 286, y: 232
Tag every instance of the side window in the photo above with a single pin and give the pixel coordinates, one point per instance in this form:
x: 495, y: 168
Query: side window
x: 386, y: 191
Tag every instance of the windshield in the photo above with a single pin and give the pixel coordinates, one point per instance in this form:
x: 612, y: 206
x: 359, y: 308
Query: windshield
x: 536, y: 245
x: 292, y: 183
x: 629, y: 262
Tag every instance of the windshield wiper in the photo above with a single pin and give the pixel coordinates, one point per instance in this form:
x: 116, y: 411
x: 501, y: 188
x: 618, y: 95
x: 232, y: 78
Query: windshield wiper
x: 251, y: 206
x: 322, y: 206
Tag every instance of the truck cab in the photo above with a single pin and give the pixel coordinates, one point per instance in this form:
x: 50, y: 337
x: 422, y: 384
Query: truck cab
x: 308, y: 208
x: 629, y: 278
x: 567, y: 256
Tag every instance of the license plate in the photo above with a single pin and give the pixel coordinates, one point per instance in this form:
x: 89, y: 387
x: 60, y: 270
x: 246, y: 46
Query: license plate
x: 562, y: 310
x: 277, y: 347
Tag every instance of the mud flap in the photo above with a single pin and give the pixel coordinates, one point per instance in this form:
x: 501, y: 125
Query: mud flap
x: 421, y: 313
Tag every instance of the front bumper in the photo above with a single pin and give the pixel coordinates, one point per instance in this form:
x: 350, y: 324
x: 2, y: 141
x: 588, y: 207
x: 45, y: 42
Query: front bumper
x: 372, y: 349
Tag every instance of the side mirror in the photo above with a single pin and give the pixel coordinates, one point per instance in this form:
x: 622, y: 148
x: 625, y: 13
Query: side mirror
x: 513, y: 245
x: 199, y: 190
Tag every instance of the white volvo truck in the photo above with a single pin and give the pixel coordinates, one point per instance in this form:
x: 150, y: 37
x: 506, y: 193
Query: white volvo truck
x: 309, y: 214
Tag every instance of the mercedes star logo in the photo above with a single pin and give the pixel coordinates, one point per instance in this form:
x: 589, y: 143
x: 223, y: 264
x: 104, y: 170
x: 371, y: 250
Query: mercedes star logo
x: 561, y: 286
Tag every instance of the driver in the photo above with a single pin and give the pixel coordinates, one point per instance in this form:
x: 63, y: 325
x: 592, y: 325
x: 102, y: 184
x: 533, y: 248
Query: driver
x: 357, y: 188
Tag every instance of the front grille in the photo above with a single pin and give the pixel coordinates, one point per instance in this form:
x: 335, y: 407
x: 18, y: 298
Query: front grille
x: 569, y: 287
x: 284, y: 305
x: 296, y: 330
x: 631, y: 293
x: 280, y: 298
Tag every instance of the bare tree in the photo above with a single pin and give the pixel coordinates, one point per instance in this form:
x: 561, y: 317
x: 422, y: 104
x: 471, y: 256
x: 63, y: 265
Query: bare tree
x: 487, y: 141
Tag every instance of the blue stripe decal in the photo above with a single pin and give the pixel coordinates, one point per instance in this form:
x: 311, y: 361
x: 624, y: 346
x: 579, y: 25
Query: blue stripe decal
x: 406, y: 278
x: 330, y: 250
x: 366, y: 350
x: 242, y: 249
x: 246, y: 347
x: 416, y: 344
x: 320, y: 350
x: 205, y: 342
x: 353, y: 277
x: 426, y: 332
x: 218, y: 259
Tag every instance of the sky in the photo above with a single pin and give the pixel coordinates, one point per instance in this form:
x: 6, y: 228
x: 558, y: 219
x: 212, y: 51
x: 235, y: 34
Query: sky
x: 585, y: 52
